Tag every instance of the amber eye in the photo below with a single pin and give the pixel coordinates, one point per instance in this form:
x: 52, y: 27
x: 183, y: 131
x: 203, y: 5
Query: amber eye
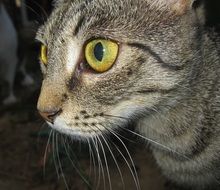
x: 101, y: 54
x: 43, y: 54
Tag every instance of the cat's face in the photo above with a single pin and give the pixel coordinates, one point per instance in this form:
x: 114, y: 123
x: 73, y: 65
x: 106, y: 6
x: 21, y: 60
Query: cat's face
x: 153, y: 43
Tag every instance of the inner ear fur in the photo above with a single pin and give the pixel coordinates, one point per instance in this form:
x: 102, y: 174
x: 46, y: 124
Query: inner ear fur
x: 179, y: 7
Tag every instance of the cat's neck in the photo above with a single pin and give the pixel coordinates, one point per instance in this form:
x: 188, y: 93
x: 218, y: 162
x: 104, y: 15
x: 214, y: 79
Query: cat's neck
x: 191, y: 106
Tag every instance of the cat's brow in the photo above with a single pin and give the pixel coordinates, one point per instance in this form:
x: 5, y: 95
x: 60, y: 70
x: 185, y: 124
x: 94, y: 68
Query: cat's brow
x: 81, y: 21
x: 156, y: 56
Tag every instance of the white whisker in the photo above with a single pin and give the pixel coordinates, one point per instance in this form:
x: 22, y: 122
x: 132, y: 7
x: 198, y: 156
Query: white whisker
x: 101, y: 169
x: 54, y: 155
x: 116, y: 163
x: 46, y: 150
x: 106, y: 163
x: 152, y: 141
x: 59, y: 163
x: 157, y: 143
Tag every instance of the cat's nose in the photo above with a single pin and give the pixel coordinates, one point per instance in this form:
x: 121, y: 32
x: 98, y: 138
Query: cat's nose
x: 51, y: 115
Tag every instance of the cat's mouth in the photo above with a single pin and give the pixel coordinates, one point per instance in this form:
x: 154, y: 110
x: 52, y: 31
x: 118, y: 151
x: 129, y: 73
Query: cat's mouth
x: 83, y: 133
x: 80, y: 129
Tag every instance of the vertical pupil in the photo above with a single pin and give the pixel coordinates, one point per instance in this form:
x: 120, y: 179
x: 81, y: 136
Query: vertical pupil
x: 99, y: 51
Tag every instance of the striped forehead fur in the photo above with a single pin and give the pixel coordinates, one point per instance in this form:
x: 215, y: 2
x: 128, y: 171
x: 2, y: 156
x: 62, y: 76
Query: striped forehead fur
x: 110, y: 13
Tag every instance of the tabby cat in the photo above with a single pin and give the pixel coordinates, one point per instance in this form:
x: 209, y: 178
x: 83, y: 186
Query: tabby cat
x: 153, y: 63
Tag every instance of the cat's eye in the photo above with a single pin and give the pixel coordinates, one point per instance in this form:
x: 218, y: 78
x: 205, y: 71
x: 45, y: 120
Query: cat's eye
x: 101, y: 54
x: 43, y: 54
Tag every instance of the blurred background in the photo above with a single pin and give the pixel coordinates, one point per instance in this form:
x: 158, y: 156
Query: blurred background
x: 30, y: 157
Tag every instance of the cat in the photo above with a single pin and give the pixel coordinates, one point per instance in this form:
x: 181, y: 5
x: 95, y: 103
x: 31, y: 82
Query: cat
x: 8, y: 52
x: 153, y: 63
x: 8, y: 55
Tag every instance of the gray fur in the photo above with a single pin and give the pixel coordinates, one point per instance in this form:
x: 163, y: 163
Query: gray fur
x: 166, y: 80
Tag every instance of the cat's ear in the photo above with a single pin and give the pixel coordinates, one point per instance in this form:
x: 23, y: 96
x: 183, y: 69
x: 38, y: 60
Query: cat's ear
x: 179, y: 6
x: 182, y: 6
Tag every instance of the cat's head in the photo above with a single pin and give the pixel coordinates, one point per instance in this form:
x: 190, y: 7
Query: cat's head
x: 108, y: 62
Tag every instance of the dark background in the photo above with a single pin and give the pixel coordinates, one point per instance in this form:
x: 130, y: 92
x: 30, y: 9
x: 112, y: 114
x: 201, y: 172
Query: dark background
x: 24, y: 136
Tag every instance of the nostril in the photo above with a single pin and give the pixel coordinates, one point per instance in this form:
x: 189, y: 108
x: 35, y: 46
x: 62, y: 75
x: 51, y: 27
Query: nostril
x: 50, y: 116
x: 53, y: 115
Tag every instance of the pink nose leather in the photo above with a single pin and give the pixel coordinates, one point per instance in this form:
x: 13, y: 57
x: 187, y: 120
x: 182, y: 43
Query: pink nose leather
x: 50, y: 116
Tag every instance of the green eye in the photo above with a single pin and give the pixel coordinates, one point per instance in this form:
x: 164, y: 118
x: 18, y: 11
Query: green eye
x: 43, y: 54
x: 101, y: 54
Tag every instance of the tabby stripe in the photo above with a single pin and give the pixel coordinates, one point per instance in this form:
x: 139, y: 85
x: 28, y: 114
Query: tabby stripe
x: 154, y: 90
x: 79, y: 25
x: 202, y: 142
x: 59, y: 18
x: 156, y: 56
x: 82, y: 19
